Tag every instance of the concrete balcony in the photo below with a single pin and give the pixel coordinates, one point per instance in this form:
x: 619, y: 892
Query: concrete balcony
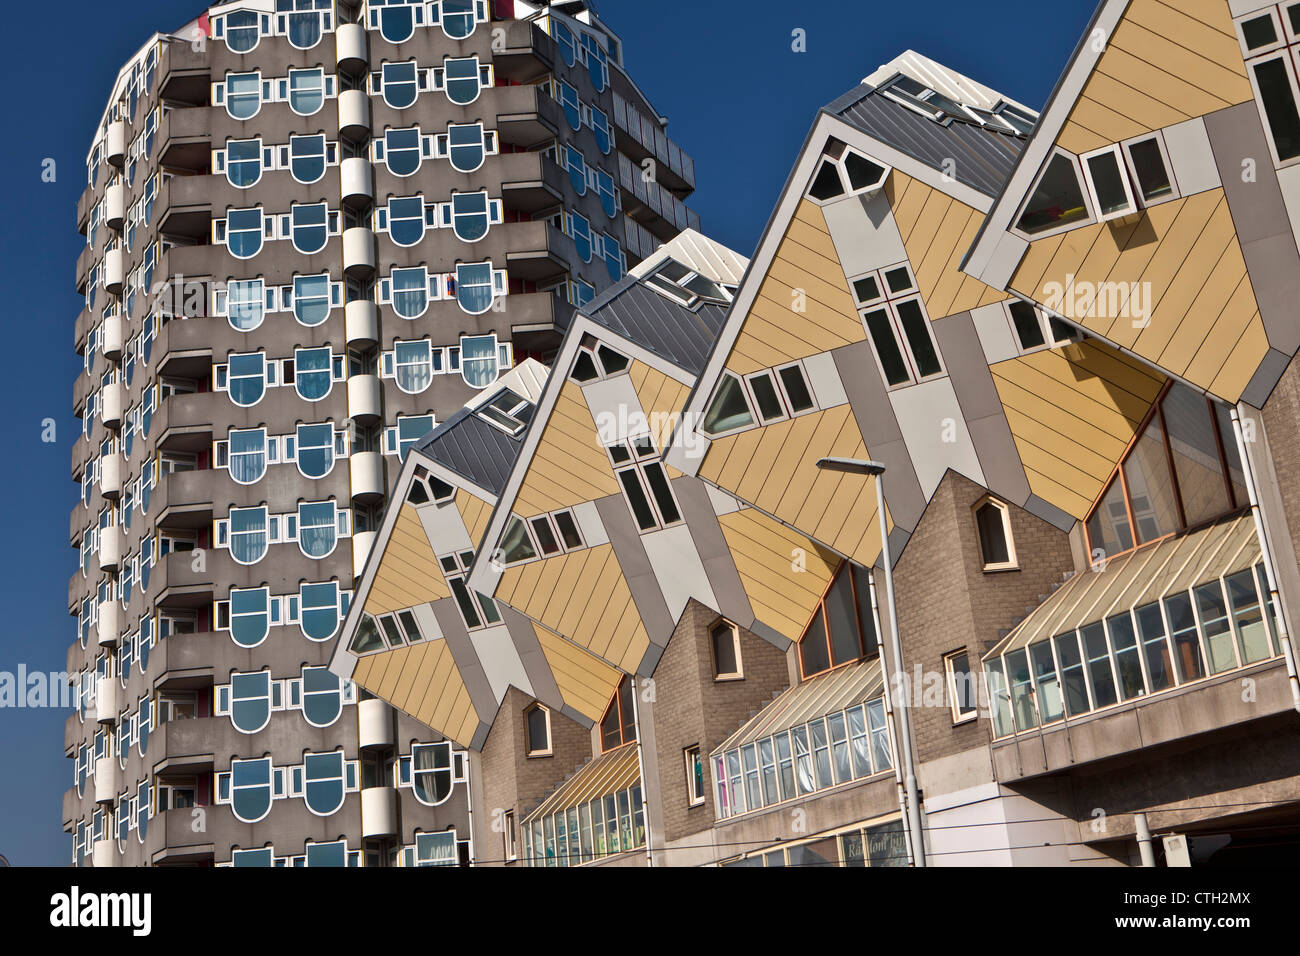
x: 375, y: 724
x: 530, y: 182
x: 354, y: 114
x: 110, y: 477
x: 362, y: 544
x: 525, y: 54
x: 367, y: 473
x: 185, y: 140
x: 115, y: 143
x: 108, y: 779
x: 184, y: 422
x: 108, y: 624
x: 184, y: 208
x: 356, y: 180
x: 359, y: 251
x: 111, y: 335
x: 351, y: 48
x: 365, y: 399
x: 526, y: 115
x: 115, y: 206
x: 86, y: 320
x: 184, y: 75
x: 183, y: 500
x: 114, y: 272
x: 378, y: 812
x: 110, y: 548
x: 362, y: 322
x: 71, y: 808
x: 107, y: 700
x: 110, y: 404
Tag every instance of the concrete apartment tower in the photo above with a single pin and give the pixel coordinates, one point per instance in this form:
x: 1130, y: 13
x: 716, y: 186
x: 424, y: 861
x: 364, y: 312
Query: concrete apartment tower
x: 315, y: 229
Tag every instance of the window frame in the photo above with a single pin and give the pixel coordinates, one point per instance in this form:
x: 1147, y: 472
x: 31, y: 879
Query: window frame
x: 950, y: 673
x: 1118, y: 156
x: 1004, y: 510
x: 691, y: 756
x: 719, y: 677
x: 1090, y: 212
x: 529, y: 750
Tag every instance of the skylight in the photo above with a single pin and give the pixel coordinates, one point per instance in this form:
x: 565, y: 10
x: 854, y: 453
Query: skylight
x: 689, y: 288
x: 508, y: 411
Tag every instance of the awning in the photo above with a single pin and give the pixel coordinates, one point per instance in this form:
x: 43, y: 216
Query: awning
x: 618, y: 770
x: 1140, y: 577
x: 824, y: 694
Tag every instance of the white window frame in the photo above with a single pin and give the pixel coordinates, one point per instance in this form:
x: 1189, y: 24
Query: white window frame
x: 1011, y: 564
x: 950, y: 679
x: 1090, y: 208
x: 1130, y: 206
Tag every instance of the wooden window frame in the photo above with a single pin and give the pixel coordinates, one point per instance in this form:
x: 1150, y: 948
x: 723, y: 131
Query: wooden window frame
x: 719, y: 676
x: 1012, y: 563
x: 529, y: 751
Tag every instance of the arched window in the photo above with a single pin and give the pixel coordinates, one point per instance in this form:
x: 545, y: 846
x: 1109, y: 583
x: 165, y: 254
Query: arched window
x: 243, y: 94
x: 250, y: 701
x: 571, y: 105
x: 618, y: 726
x: 250, y: 615
x: 313, y: 297
x: 323, y: 785
x: 458, y: 17
x: 843, y: 628
x: 431, y: 772
x: 243, y: 159
x: 466, y: 146
x: 143, y: 810
x: 144, y: 724
x: 310, y: 227
x: 306, y: 91
x: 413, y: 365
x: 250, y: 789
x: 576, y: 163
x: 315, y: 450
x: 247, y: 455
x: 404, y: 218
x: 396, y: 19
x: 244, y: 232
x: 580, y: 229
x: 410, y: 292
x: 471, y: 215
x: 402, y: 151
x: 993, y: 522
x: 242, y: 31
x: 597, y: 62
x: 245, y: 304
x: 320, y: 610
x: 537, y: 724
x: 600, y: 127
x: 564, y: 40
x: 306, y: 23
x: 313, y: 372
x: 462, y: 80
x: 307, y: 157
x: 477, y: 284
x: 322, y: 696
x: 317, y: 528
x: 400, y: 84
x: 248, y: 534
x: 479, y: 360
x: 246, y: 379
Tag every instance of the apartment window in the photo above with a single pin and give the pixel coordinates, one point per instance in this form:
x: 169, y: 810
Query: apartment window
x: 843, y: 171
x: 245, y: 302
x: 729, y: 411
x: 248, y: 534
x: 609, y: 196
x: 396, y: 20
x: 897, y: 325
x: 618, y: 725
x: 243, y: 95
x: 724, y: 639
x: 401, y: 150
x: 537, y: 723
x: 480, y: 360
x: 244, y: 232
x: 1182, y: 470
x: 307, y: 91
x: 1108, y: 184
x: 1057, y: 200
x: 249, y: 616
x: 467, y: 146
x: 316, y: 449
x: 311, y: 226
x: 410, y: 291
x: 596, y: 361
x: 1269, y: 53
x: 322, y: 696
x: 508, y: 836
x: 250, y: 792
x: 243, y: 162
x: 242, y: 29
x: 477, y: 286
x: 431, y: 773
x: 614, y: 262
x: 472, y: 214
x: 1035, y: 329
x: 580, y: 231
x: 308, y: 157
x: 404, y: 219
x: 320, y: 524
x: 412, y: 365
x: 597, y: 62
x: 694, y: 776
x: 843, y: 628
x: 993, y: 523
x: 462, y: 79
x: 409, y: 431
x: 246, y: 379
x: 400, y: 83
x: 323, y: 782
x: 599, y: 124
x: 322, y: 607
x: 962, y: 689
x: 516, y: 544
x: 303, y: 21
x: 250, y: 701
x: 576, y: 164
x: 1149, y: 167
x: 477, y: 610
x: 459, y: 17
x: 644, y: 482
x: 314, y: 372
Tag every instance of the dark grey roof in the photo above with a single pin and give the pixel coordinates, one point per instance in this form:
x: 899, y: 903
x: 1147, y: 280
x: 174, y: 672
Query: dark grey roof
x: 683, y: 336
x: 982, y: 158
x: 474, y: 449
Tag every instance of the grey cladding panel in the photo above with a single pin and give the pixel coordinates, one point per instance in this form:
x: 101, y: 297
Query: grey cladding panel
x: 719, y: 565
x: 635, y: 565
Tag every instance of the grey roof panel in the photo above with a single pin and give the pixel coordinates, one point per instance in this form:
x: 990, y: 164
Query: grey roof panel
x: 474, y: 449
x: 980, y: 157
x: 683, y: 336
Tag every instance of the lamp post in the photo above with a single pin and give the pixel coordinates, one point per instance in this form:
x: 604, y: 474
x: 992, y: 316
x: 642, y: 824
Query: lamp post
x: 874, y: 469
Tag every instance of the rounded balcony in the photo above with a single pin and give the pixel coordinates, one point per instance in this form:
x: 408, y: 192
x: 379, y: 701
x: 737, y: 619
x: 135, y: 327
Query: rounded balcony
x: 362, y: 544
x: 350, y: 47
x: 365, y: 403
x: 375, y: 723
x: 108, y: 624
x: 110, y: 404
x: 107, y: 704
x: 115, y: 206
x: 362, y: 321
x: 114, y: 274
x: 378, y: 812
x: 108, y: 779
x: 103, y: 853
x: 354, y: 114
x: 110, y: 334
x: 367, y: 473
x: 110, y: 548
x: 110, y: 477
x: 356, y: 179
x: 359, y: 251
x: 115, y: 143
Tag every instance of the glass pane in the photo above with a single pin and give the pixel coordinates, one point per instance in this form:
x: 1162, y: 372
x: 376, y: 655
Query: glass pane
x: 993, y: 538
x: 1108, y: 182
x: 1187, y: 646
x: 729, y: 409
x: 1047, y: 683
x: 1150, y: 488
x: 1028, y: 329
x: 1149, y: 164
x: 1057, y: 201
x: 1128, y: 665
x: 1229, y: 439
x: 887, y: 348
x: 917, y: 330
x: 1248, y: 616
x: 1196, y: 455
x: 1022, y: 700
x: 842, y: 619
x: 1076, y: 688
x: 1151, y: 627
x: 1099, y: 672
x: 1279, y: 106
x: 1218, y: 629
x: 813, y: 653
x: 1108, y: 527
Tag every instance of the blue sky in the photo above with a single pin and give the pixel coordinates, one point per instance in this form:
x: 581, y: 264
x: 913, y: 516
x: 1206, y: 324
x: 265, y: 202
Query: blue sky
x: 740, y: 102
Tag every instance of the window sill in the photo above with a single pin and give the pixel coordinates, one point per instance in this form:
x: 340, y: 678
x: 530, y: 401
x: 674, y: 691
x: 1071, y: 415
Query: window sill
x: 540, y: 755
x: 727, y: 678
x: 1000, y: 569
x: 963, y: 721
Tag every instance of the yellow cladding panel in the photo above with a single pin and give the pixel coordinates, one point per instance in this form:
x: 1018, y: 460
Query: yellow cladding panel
x: 661, y: 398
x: 775, y: 468
x: 408, y: 573
x: 804, y: 306
x: 570, y: 465
x: 1165, y: 63
x: 1169, y: 284
x: 475, y: 512
x: 422, y: 681
x: 586, y: 682
x: 584, y: 597
x: 1072, y: 413
x: 783, y: 573
x: 937, y: 230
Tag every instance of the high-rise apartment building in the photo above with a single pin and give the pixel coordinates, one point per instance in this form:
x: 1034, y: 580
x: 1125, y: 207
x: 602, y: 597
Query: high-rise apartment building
x: 314, y: 230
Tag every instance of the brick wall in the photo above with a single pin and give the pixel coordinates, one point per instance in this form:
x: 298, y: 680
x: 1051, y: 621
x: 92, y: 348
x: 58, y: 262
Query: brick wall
x: 692, y: 708
x: 947, y: 602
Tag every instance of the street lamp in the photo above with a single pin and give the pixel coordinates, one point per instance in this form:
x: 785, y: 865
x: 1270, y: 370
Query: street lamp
x: 874, y: 469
